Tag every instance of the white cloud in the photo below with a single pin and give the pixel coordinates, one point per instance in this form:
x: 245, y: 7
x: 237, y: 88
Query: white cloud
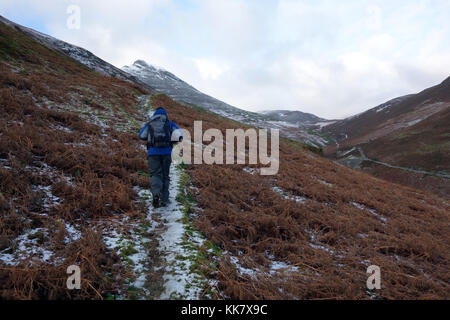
x: 330, y: 58
x: 209, y: 69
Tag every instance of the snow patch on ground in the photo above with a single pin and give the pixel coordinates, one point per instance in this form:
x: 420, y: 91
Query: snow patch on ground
x: 316, y: 244
x: 242, y: 270
x: 44, y: 169
x: 132, y: 245
x: 60, y: 128
x: 28, y: 249
x: 179, y: 281
x: 383, y: 108
x: 72, y: 233
x: 286, y: 195
x: 324, y: 124
x: 50, y: 200
x: 251, y: 171
x: 372, y: 211
x: 136, y: 261
x: 412, y: 123
x: 322, y: 182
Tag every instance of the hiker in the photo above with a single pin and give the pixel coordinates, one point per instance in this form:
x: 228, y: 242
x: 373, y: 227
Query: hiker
x: 161, y: 135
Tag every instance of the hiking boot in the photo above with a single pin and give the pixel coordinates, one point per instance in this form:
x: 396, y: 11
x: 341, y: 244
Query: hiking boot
x: 156, y: 201
x: 165, y: 203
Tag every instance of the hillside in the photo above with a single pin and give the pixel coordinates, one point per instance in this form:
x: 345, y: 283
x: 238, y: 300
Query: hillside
x: 361, y: 124
x: 74, y: 191
x: 411, y: 133
x: 81, y: 55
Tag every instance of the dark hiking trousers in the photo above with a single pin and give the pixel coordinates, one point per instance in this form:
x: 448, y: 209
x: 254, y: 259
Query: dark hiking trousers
x: 159, y: 176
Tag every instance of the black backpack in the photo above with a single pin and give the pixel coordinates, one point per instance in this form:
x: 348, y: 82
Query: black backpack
x: 159, y: 135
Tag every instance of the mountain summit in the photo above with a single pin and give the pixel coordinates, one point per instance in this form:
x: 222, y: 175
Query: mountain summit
x: 167, y: 83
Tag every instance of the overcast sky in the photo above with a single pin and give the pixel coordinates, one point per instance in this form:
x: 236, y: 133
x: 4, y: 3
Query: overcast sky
x: 328, y: 57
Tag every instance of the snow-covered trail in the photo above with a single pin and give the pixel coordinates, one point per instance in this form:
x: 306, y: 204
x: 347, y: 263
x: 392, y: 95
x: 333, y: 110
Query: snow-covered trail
x: 177, y: 248
x: 175, y: 245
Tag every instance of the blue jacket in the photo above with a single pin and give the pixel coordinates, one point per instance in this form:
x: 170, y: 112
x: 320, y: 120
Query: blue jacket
x: 173, y: 128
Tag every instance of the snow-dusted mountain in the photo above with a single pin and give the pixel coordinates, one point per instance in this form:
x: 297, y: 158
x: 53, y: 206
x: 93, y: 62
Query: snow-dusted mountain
x: 81, y: 55
x: 169, y: 84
